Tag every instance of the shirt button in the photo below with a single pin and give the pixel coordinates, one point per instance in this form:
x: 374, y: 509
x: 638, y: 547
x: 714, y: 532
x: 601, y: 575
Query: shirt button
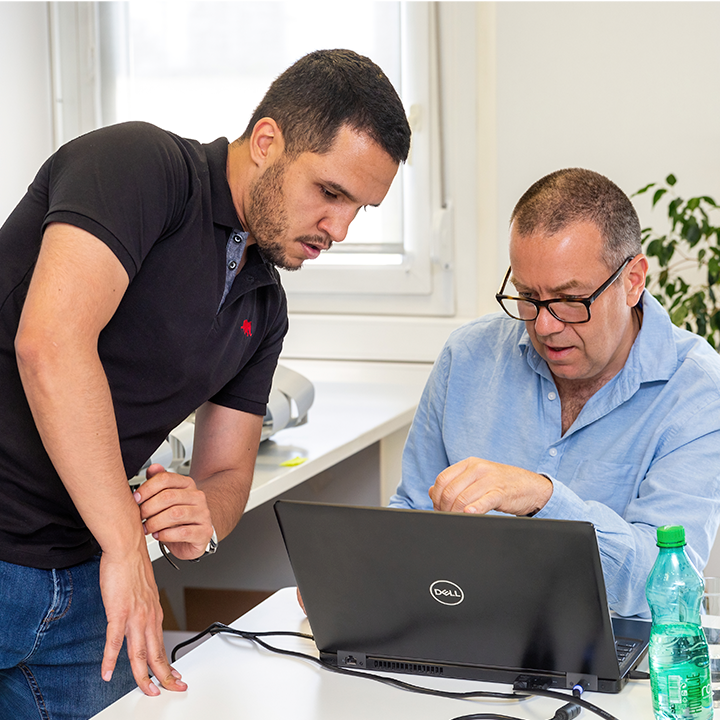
x: 553, y: 452
x: 232, y: 265
x: 237, y: 238
x: 551, y: 396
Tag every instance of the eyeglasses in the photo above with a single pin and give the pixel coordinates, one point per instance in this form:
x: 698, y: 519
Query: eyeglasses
x: 571, y: 311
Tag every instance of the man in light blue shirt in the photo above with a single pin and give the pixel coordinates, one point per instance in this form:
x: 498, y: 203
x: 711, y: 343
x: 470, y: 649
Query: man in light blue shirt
x: 581, y: 401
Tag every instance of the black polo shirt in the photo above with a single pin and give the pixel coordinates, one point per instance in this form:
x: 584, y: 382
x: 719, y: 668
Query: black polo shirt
x: 162, y: 204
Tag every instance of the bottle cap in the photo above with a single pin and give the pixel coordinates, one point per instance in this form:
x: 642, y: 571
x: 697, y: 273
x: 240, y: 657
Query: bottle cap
x: 671, y: 536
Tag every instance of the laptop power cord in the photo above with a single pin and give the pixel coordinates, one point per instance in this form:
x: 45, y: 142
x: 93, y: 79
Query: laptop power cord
x: 568, y: 711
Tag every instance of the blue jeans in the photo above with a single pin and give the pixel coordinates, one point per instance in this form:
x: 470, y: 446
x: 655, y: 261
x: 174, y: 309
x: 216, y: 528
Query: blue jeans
x: 52, y: 635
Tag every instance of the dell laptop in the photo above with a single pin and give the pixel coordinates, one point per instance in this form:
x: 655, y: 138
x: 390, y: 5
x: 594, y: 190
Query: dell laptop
x: 484, y: 597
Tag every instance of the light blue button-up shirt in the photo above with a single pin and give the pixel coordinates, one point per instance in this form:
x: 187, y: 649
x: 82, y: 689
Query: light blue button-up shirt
x: 643, y: 452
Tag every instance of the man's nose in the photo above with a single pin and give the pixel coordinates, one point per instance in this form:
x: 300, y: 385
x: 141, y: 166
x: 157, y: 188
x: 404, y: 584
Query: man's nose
x: 546, y: 323
x: 336, y: 225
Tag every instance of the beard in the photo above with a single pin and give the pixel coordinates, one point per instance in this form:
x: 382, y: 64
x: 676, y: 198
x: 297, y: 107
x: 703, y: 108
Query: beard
x: 267, y: 218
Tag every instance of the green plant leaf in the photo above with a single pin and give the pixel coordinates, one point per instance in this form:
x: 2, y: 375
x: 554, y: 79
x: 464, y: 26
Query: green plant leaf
x: 713, y: 271
x: 673, y: 210
x: 670, y: 180
x: 715, y: 321
x: 691, y: 232
x: 679, y: 315
x: 643, y: 190
x: 658, y: 194
x: 655, y: 247
x: 666, y: 253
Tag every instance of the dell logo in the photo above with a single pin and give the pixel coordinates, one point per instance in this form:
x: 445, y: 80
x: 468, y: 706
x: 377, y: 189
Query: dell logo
x: 446, y: 592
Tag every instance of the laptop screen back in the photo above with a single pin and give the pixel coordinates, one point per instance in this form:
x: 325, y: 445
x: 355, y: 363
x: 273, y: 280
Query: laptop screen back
x: 476, y: 594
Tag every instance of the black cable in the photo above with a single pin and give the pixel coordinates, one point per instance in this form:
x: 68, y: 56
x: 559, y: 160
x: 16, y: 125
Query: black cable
x: 220, y: 628
x: 566, y: 712
x: 486, y: 716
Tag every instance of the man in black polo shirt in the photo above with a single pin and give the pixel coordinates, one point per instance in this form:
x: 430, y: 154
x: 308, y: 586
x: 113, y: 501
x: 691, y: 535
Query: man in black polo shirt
x: 138, y: 283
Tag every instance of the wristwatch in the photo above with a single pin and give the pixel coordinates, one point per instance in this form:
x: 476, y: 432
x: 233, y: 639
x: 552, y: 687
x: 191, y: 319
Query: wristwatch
x: 211, y: 548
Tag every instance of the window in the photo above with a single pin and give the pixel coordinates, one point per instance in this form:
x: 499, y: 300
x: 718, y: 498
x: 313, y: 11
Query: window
x: 200, y: 68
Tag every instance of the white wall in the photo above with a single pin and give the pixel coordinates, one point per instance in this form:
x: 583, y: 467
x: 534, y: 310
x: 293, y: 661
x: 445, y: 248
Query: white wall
x: 25, y: 120
x: 631, y: 90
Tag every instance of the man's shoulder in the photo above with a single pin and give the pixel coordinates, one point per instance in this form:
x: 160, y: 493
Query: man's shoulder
x: 697, y: 356
x: 665, y: 351
x: 490, y: 341
x: 134, y: 143
x: 690, y: 361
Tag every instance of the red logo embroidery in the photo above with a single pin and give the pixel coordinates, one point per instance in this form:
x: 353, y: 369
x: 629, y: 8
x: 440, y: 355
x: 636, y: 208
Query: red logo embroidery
x: 247, y: 328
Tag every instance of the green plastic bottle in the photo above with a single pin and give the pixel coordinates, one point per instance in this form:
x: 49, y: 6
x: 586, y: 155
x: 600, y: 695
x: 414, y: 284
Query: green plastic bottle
x: 678, y: 653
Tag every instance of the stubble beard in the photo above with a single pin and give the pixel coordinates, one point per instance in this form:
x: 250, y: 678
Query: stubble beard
x: 267, y: 218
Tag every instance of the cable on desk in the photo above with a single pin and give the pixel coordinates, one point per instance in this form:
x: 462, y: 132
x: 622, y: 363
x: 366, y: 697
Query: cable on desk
x: 256, y: 637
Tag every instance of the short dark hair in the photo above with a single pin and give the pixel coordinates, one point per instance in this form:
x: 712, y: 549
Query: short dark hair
x: 326, y: 90
x: 575, y: 195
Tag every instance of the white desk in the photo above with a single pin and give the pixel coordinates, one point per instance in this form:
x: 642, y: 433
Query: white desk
x: 356, y: 404
x: 231, y: 678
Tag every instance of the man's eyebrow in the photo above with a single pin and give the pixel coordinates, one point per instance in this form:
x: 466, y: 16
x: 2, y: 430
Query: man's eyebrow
x: 559, y: 289
x: 342, y: 191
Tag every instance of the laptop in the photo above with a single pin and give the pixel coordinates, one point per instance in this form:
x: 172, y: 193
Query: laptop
x: 483, y: 597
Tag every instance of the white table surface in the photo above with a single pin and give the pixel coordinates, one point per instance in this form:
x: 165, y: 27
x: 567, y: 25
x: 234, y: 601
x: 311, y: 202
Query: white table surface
x: 356, y: 404
x: 231, y: 678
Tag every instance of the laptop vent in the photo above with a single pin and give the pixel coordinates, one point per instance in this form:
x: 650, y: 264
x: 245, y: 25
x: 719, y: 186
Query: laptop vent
x: 414, y: 668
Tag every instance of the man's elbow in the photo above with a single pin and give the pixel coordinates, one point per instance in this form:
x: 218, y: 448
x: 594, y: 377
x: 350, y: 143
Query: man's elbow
x: 40, y: 352
x: 30, y: 351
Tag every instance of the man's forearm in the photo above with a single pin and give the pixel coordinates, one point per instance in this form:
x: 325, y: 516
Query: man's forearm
x: 76, y: 287
x: 227, y: 494
x: 224, y: 454
x: 72, y: 407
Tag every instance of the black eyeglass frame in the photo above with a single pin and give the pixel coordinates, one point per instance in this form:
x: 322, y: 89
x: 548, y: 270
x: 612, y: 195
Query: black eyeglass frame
x: 547, y: 304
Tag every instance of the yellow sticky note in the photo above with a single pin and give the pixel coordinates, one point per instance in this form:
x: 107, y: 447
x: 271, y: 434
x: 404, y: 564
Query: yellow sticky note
x: 293, y: 462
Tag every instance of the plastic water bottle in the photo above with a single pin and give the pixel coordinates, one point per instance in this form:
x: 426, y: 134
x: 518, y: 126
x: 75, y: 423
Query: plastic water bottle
x: 678, y: 653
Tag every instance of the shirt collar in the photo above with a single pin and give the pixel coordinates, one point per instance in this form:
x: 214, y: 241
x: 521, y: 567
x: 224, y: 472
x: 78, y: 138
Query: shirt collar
x: 224, y: 212
x: 223, y: 208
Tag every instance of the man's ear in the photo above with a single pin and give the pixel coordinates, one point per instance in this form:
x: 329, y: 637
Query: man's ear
x: 635, y: 283
x: 266, y: 142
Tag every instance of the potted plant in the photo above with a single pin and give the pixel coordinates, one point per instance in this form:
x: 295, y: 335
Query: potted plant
x: 687, y: 282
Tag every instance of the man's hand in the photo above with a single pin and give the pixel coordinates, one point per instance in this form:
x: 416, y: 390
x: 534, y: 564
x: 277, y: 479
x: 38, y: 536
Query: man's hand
x: 478, y: 486
x: 132, y: 607
x: 175, y: 512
